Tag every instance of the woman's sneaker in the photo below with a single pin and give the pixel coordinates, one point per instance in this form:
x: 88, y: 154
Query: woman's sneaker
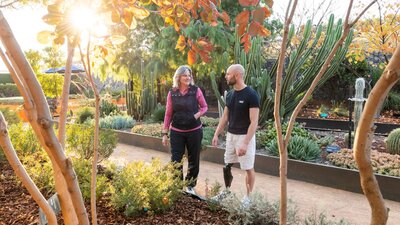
x: 221, y: 196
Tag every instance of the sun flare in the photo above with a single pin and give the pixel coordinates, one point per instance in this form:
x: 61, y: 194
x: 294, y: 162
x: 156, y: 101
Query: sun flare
x: 83, y: 18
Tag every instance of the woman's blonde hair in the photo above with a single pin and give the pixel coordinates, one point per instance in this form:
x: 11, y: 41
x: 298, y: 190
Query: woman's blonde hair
x: 180, y: 71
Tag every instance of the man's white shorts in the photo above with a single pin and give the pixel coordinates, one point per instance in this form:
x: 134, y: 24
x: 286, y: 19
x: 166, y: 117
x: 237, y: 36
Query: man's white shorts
x: 233, y: 141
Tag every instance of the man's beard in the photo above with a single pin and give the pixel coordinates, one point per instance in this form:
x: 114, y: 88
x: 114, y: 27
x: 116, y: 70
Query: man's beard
x: 232, y: 81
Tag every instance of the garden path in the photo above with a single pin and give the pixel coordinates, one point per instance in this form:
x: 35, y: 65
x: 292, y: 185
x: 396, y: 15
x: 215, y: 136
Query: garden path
x: 336, y: 204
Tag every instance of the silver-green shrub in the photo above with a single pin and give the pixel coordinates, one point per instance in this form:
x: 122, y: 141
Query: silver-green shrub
x: 117, y: 122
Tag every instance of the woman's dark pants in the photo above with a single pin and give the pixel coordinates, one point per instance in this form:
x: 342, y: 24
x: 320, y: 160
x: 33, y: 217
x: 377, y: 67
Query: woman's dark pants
x: 192, y: 142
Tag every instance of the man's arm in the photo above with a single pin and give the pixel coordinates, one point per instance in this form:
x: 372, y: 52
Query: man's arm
x: 221, y: 125
x: 253, y: 113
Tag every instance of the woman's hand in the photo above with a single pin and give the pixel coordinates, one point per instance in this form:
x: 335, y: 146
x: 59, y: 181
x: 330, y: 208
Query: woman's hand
x: 197, y: 115
x: 165, y: 140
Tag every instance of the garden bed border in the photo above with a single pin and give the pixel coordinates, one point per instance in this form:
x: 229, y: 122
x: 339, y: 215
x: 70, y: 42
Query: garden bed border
x: 324, y: 175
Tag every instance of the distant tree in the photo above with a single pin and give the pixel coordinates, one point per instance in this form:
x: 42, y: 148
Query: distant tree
x: 35, y: 60
x: 53, y: 57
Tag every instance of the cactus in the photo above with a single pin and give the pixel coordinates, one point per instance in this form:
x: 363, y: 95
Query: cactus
x: 393, y: 141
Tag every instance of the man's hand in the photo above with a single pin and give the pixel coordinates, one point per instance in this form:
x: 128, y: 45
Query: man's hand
x: 165, y: 140
x: 241, y: 151
x: 215, y: 141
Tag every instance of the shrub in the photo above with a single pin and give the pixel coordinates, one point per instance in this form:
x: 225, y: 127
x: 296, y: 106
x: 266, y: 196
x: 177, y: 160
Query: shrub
x: 209, y: 121
x: 299, y: 148
x: 52, y: 84
x: 10, y: 116
x: 325, y: 141
x: 321, y: 219
x: 9, y: 90
x: 152, y: 129
x: 382, y: 163
x: 259, y: 212
x: 393, y: 141
x: 117, y: 122
x: 158, y: 114
x: 108, y: 108
x: 24, y: 139
x: 208, y: 134
x: 265, y: 136
x: 83, y: 170
x: 141, y: 187
x: 84, y: 114
x: 80, y: 140
x: 11, y: 101
x: 39, y: 168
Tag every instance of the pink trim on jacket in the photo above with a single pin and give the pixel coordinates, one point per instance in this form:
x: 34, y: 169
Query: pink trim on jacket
x: 168, y: 110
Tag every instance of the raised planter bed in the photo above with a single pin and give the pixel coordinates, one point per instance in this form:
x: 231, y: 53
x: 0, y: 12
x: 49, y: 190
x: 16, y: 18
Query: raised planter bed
x: 381, y: 128
x: 330, y: 176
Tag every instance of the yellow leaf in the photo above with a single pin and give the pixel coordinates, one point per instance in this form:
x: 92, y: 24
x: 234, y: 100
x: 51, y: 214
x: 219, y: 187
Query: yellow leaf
x: 54, y: 8
x: 115, y: 17
x: 133, y: 24
x: 181, y: 43
x: 169, y: 21
x: 140, y: 13
x: 44, y: 37
x: 179, y: 11
x: 117, y: 39
x: 59, y: 40
x: 53, y: 18
x: 145, y: 2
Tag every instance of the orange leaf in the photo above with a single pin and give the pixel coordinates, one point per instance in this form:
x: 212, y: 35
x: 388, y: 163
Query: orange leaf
x: 205, y: 44
x: 205, y: 56
x: 246, y: 40
x: 225, y: 17
x: 243, y: 17
x: 181, y: 43
x: 127, y: 16
x: 249, y: 2
x: 115, y: 16
x: 270, y: 3
x: 256, y: 29
x: 192, y: 58
x: 260, y: 14
x: 241, y: 29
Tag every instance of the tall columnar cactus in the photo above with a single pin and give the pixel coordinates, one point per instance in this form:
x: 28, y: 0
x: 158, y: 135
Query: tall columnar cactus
x: 358, y: 100
x: 301, y: 66
x: 393, y: 142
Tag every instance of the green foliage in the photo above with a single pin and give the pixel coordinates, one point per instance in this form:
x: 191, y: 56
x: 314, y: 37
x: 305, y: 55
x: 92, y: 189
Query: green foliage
x: 392, y: 101
x: 208, y: 134
x: 141, y: 187
x: 322, y: 109
x: 10, y: 116
x: 34, y: 58
x: 5, y: 78
x: 259, y: 212
x: 158, y: 114
x: 51, y: 84
x: 152, y: 129
x: 325, y: 141
x: 39, y: 168
x: 393, y: 141
x: 83, y: 170
x: 84, y: 114
x: 299, y: 148
x: 338, y: 109
x: 80, y: 140
x: 321, y: 219
x: 108, y: 108
x: 382, y: 163
x: 11, y: 101
x: 9, y: 90
x: 117, y: 122
x: 209, y: 121
x: 23, y: 139
x: 53, y: 56
x: 268, y: 134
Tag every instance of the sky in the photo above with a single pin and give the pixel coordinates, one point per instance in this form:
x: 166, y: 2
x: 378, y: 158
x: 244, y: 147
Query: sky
x: 26, y: 22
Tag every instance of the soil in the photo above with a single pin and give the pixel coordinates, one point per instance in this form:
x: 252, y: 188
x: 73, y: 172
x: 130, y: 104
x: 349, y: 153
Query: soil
x: 18, y: 207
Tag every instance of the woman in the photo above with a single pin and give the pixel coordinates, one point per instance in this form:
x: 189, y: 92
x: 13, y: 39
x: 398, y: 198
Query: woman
x: 185, y: 105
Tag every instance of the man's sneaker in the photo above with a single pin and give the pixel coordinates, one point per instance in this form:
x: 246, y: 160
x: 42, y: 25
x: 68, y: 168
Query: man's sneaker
x: 246, y: 202
x: 222, y: 195
x: 190, y: 190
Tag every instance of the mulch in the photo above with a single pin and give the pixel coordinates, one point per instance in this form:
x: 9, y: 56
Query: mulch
x: 18, y: 207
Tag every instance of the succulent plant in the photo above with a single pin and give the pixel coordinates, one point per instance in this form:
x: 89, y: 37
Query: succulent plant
x: 393, y: 141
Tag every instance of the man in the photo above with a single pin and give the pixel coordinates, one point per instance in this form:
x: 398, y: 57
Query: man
x: 241, y: 114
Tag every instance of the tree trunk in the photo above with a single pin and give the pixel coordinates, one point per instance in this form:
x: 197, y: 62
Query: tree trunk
x: 40, y: 118
x: 21, y: 173
x: 65, y: 95
x: 363, y: 138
